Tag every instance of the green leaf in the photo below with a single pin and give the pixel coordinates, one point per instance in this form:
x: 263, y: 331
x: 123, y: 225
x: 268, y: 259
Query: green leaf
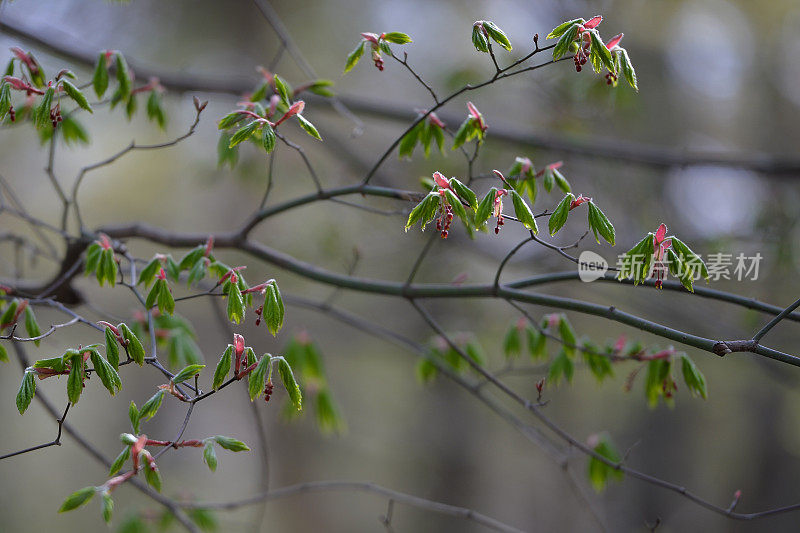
x: 600, y: 224
x: 235, y: 306
x: 691, y: 260
x: 230, y: 444
x: 133, y: 416
x: 5, y: 100
x: 205, y: 519
x: 636, y: 262
x: 409, y: 141
x: 523, y: 212
x: 289, y: 383
x: 108, y: 507
x: 187, y: 373
x: 210, y: 455
x: 657, y: 380
x: 223, y: 367
x: 308, y: 127
x: 485, y: 208
x: 559, y: 216
x: 567, y: 335
x: 257, y: 377
x: 166, y: 303
x: 76, y: 94
x: 320, y: 87
x: 273, y: 309
x: 512, y: 343
x: 77, y: 498
x: 599, y: 364
x: 3, y: 354
x: 151, y: 406
x: 108, y: 376
x: 268, y: 138
x: 148, y: 273
x: 479, y: 39
x: 397, y: 37
x: 561, y: 367
x: 438, y: 135
x: 426, y: 371
x: 283, y: 89
x: 93, y: 253
x: 567, y: 38
x: 73, y: 131
x: 354, y: 56
x: 244, y: 133
x: 424, y: 211
x: 31, y: 326
x: 75, y: 379
x: 100, y: 78
x: 123, y: 76
x: 328, y: 418
x: 153, y: 477
x: 41, y: 114
x: 457, y: 206
x: 463, y: 132
x: 230, y: 120
x: 628, y: 70
x: 27, y: 389
x: 537, y: 344
x: 107, y: 270
x: 599, y: 472
x: 134, y: 345
x: 695, y: 381
x: 561, y: 181
x: 465, y: 193
x: 497, y: 34
x: 563, y: 27
x: 123, y: 456
x: 600, y: 55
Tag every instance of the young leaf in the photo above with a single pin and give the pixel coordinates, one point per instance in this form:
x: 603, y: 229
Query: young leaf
x: 497, y: 34
x: 108, y: 507
x: 187, y: 373
x: 564, y: 26
x: 235, y: 306
x: 257, y: 377
x: 628, y: 70
x: 77, y: 498
x: 166, y: 303
x: 600, y: 224
x: 232, y: 445
x: 287, y: 377
x: 409, y: 141
x: 150, y: 407
x: 210, y: 455
x: 244, y: 133
x: 479, y: 39
x: 567, y: 335
x: 5, y: 100
x: 636, y: 262
x: 512, y: 343
x: 397, y: 37
x: 424, y: 211
x: 523, y: 212
x: 41, y: 115
x: 465, y: 193
x: 537, y: 344
x: 561, y: 181
x: 123, y: 456
x: 3, y: 354
x: 100, y: 78
x: 691, y: 260
x: 123, y: 77
x: 133, y: 415
x: 562, y: 366
x: 563, y: 44
x: 599, y: 472
x: 559, y: 216
x: 463, y: 133
x: 457, y: 206
x: 223, y: 367
x: 354, y: 56
x: 153, y: 477
x: 273, y: 309
x: 76, y: 94
x: 268, y: 138
x: 75, y: 379
x: 283, y: 90
x: 134, y: 345
x: 148, y: 273
x: 31, y: 326
x: 695, y: 381
x: 308, y: 127
x: 27, y: 389
x: 485, y: 208
x: 108, y: 376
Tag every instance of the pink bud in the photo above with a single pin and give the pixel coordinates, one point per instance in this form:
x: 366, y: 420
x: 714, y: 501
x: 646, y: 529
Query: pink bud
x: 660, y: 233
x: 554, y: 166
x: 371, y: 37
x: 578, y: 201
x: 441, y: 181
x: 238, y: 344
x: 614, y: 41
x: 296, y: 108
x: 161, y: 274
x: 435, y: 120
x: 593, y: 22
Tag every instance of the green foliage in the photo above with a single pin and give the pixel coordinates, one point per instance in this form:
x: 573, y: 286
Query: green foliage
x: 600, y: 473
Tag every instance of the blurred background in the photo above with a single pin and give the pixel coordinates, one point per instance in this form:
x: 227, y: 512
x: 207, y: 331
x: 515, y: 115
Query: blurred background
x: 715, y: 76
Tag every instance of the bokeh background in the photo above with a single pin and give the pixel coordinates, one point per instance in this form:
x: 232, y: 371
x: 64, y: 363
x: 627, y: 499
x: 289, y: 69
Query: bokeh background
x: 714, y: 75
